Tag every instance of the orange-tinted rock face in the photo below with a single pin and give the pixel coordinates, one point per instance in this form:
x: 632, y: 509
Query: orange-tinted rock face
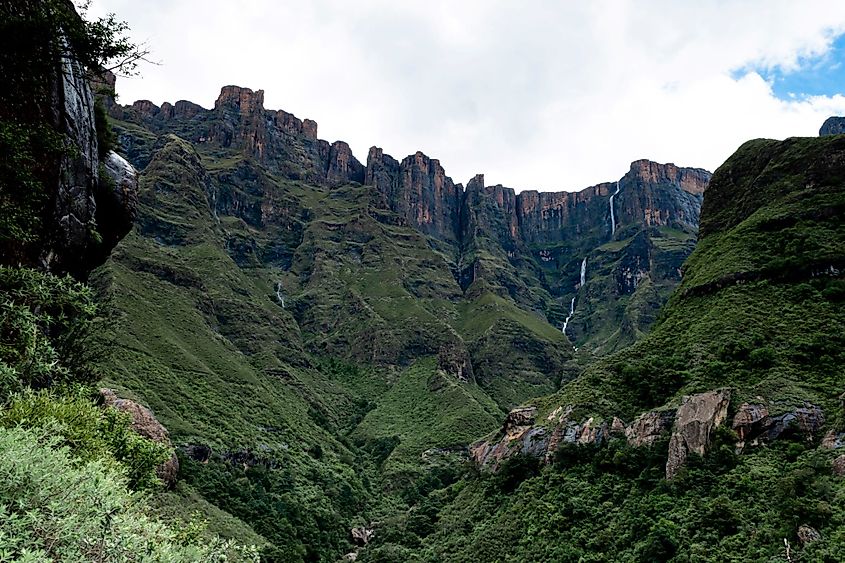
x: 692, y: 180
x: 418, y: 190
x: 281, y: 141
x: 246, y: 100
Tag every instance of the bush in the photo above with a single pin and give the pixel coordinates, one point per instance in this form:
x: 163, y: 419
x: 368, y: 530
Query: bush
x: 54, y: 508
x: 90, y: 433
x: 46, y: 328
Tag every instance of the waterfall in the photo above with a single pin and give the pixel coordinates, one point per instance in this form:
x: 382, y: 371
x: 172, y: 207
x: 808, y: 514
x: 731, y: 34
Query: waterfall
x: 612, y: 217
x: 279, y: 296
x: 583, y: 272
x: 571, y: 312
x: 572, y: 303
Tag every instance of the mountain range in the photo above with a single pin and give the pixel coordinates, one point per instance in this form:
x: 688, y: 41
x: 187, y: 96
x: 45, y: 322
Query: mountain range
x: 335, y: 360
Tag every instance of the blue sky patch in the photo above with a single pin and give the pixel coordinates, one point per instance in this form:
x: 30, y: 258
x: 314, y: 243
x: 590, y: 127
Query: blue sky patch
x: 816, y: 76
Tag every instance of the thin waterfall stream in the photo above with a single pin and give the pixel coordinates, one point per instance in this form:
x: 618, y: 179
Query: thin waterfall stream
x: 612, y: 216
x: 572, y: 303
x: 279, y: 296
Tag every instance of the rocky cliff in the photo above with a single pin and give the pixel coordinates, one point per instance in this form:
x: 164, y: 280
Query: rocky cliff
x: 65, y: 199
x: 277, y: 139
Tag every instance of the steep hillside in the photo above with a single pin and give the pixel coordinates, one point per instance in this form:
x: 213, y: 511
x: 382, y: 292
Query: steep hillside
x: 281, y: 305
x: 718, y: 436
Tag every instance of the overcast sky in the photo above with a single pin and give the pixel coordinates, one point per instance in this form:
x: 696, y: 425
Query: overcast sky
x: 534, y: 94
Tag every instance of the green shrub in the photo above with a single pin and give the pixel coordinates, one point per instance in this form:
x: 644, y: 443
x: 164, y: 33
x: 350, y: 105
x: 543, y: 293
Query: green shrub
x: 53, y: 508
x: 46, y: 328
x: 90, y: 433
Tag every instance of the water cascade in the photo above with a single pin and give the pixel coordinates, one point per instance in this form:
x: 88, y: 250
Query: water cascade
x: 279, y: 296
x: 612, y: 217
x: 571, y: 312
x: 583, y: 272
x: 572, y: 303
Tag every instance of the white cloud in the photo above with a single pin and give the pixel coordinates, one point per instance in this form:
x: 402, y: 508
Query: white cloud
x: 536, y: 94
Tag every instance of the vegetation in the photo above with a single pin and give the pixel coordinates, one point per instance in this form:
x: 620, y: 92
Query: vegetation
x: 55, y: 508
x: 613, y: 504
x: 301, y: 344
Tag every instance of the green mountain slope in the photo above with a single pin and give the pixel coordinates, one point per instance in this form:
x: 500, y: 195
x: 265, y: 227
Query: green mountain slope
x: 746, y: 361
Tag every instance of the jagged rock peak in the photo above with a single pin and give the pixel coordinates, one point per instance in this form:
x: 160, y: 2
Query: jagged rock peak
x: 833, y: 126
x: 244, y: 99
x: 476, y: 183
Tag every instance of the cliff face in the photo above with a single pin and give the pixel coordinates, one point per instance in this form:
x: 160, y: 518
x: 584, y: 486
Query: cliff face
x: 418, y: 190
x: 278, y: 139
x: 65, y: 201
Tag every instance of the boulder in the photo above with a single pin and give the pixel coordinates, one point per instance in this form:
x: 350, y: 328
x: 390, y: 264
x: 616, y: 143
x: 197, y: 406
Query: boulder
x: 697, y: 416
x: 647, y: 428
x: 146, y: 424
x: 806, y: 420
x: 833, y: 440
x: 749, y: 420
x: 839, y: 465
x: 808, y: 534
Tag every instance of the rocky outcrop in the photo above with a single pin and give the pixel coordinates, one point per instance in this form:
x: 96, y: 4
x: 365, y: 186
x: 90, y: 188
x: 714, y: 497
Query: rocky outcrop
x: 454, y: 359
x: 833, y: 126
x: 284, y: 143
x: 691, y: 425
x: 518, y: 435
x: 839, y: 466
x: 808, y: 534
x: 649, y: 427
x: 146, y: 424
x: 117, y: 201
x: 695, y: 421
x: 754, y: 424
x: 418, y: 190
x: 66, y: 216
x: 833, y: 440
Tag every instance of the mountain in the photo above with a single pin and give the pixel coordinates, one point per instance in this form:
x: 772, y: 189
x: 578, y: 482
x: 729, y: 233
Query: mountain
x: 719, y: 435
x: 282, y: 305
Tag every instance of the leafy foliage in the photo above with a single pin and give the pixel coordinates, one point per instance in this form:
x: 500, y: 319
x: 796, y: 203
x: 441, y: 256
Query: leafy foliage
x: 53, y: 508
x: 46, y: 326
x: 90, y: 433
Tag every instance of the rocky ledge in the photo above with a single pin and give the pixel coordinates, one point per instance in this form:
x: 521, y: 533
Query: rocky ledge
x: 690, y: 429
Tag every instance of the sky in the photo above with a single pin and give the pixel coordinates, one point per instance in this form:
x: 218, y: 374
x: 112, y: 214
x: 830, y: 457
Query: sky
x: 548, y: 95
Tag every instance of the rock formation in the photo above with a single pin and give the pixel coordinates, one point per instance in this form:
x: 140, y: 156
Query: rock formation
x: 146, y: 424
x: 833, y: 126
x: 278, y: 139
x: 81, y: 213
x: 691, y: 425
x: 695, y: 421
